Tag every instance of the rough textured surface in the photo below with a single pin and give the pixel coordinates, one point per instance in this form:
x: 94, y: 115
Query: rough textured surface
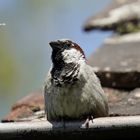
x: 114, y: 17
x: 28, y: 108
x: 118, y: 64
x: 121, y: 103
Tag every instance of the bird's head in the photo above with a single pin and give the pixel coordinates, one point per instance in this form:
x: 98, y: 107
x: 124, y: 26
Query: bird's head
x: 66, y: 51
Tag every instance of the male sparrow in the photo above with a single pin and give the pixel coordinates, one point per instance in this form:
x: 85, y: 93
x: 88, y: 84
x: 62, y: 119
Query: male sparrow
x: 72, y: 90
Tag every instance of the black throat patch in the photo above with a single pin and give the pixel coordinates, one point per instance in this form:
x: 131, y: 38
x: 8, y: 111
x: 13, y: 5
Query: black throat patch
x: 63, y: 73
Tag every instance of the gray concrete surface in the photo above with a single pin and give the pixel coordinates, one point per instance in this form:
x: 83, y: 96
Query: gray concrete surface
x: 100, y: 128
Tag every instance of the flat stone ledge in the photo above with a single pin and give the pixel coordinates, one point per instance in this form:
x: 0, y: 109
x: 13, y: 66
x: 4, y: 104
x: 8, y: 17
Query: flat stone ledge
x: 100, y: 128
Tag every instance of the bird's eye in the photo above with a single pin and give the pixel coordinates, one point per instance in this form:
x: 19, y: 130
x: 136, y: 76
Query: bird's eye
x: 67, y: 45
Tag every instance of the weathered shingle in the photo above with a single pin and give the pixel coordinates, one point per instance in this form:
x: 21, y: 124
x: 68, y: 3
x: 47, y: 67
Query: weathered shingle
x: 117, y: 61
x: 120, y: 16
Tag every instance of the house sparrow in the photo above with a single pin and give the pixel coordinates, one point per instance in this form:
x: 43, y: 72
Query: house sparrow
x: 72, y: 90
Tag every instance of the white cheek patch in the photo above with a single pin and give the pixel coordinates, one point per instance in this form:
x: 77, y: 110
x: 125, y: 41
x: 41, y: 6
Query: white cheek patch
x: 72, y: 55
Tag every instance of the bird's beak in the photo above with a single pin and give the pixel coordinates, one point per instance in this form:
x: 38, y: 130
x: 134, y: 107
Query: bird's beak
x: 55, y: 45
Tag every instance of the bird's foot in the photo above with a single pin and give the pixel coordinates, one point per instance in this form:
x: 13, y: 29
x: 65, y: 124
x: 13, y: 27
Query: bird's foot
x: 86, y: 124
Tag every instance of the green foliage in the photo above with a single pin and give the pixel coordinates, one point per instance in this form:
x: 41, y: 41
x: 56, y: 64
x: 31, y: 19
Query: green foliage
x: 128, y: 27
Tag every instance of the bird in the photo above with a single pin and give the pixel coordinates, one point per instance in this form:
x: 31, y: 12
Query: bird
x: 71, y: 89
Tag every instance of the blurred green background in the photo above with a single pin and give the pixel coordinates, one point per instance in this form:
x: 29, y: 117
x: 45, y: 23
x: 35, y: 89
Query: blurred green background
x: 24, y: 50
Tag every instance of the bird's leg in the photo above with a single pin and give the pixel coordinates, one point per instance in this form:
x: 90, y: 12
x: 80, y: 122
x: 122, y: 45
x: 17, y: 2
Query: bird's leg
x: 87, y: 123
x: 89, y: 118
